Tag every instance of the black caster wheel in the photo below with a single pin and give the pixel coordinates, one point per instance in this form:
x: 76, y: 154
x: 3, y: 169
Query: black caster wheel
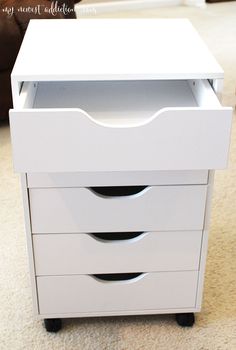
x: 185, y: 320
x: 52, y: 325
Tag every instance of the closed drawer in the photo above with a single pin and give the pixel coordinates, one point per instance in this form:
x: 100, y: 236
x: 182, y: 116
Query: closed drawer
x: 155, y: 208
x: 67, y: 254
x: 86, y: 293
x: 120, y: 126
x: 84, y: 179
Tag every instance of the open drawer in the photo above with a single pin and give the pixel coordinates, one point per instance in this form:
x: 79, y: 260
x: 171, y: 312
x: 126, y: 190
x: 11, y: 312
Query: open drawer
x: 119, y: 126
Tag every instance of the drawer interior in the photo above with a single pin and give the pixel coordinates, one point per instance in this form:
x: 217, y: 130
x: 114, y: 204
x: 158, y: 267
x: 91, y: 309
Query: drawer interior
x: 118, y: 101
x: 106, y: 101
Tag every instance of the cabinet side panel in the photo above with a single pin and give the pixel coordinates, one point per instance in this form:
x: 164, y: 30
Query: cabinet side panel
x: 203, y: 255
x: 218, y: 85
x: 29, y: 242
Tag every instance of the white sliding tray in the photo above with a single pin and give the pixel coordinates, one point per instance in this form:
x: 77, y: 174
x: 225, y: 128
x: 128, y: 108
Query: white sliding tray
x: 122, y: 126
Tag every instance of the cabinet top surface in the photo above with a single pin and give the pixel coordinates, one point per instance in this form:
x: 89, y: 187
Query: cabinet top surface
x: 114, y: 49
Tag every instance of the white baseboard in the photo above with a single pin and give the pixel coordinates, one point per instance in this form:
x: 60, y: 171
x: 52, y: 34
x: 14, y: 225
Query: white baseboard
x: 113, y: 6
x: 198, y: 3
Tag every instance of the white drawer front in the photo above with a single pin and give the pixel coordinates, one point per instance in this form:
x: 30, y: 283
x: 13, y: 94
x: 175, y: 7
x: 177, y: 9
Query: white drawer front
x: 158, y: 208
x: 67, y: 254
x: 69, y: 140
x: 84, y: 293
x: 135, y: 178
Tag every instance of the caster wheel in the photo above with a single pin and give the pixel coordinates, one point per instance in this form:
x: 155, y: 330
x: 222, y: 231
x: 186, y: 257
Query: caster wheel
x: 185, y: 320
x: 52, y: 325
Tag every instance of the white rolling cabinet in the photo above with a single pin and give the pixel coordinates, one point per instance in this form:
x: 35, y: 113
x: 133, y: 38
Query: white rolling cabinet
x: 116, y: 131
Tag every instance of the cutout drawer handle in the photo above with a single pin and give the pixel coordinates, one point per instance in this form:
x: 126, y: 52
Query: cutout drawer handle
x: 118, y: 191
x: 115, y: 277
x: 116, y: 236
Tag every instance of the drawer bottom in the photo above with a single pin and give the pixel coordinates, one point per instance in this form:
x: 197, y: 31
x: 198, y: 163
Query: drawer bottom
x: 88, y: 293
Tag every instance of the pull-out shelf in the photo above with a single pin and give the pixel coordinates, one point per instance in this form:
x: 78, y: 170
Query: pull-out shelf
x: 119, y: 126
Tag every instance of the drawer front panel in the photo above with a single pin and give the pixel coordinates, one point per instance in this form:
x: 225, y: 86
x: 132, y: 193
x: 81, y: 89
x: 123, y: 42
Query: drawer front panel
x: 70, y: 140
x: 158, y: 208
x: 67, y: 254
x: 85, y: 293
x: 152, y: 178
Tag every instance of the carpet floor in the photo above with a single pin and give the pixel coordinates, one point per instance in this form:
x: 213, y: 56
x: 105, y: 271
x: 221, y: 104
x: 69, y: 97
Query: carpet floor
x: 215, y: 327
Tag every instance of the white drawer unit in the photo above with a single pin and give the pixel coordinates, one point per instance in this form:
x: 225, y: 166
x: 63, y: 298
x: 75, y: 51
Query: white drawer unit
x: 117, y: 139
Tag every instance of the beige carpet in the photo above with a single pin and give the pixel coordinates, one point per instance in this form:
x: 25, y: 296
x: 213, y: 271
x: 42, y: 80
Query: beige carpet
x: 215, y: 327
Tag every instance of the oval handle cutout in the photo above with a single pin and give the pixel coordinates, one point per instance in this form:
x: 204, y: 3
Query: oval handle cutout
x: 118, y: 191
x: 116, y: 236
x: 117, y: 276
